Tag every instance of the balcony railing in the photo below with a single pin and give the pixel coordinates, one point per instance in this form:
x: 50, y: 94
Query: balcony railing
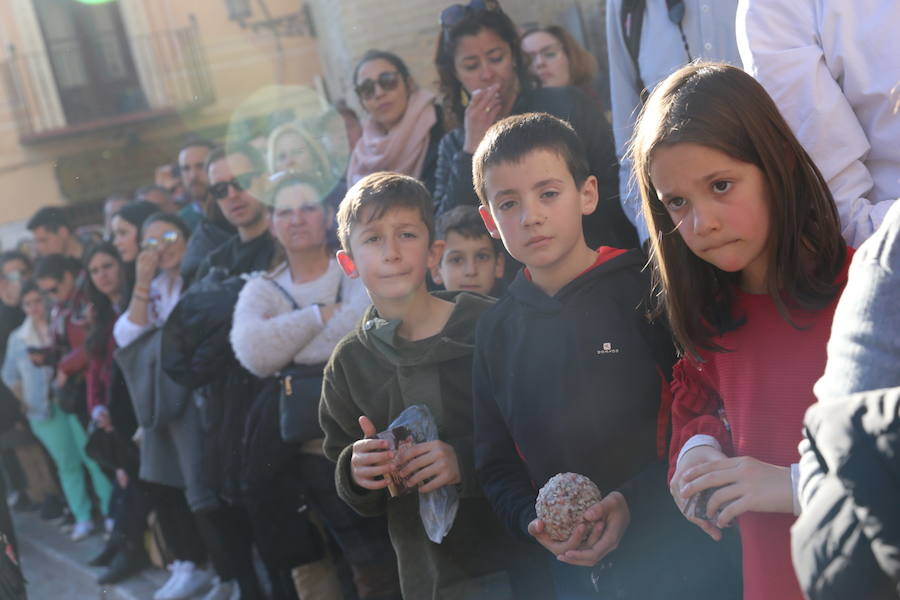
x: 168, y: 74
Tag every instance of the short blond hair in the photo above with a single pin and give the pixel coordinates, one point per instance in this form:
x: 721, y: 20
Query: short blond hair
x: 383, y: 191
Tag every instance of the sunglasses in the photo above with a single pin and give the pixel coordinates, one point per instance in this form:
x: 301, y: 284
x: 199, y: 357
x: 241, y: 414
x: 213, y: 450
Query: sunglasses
x: 454, y: 14
x: 167, y: 238
x: 239, y: 183
x: 387, y: 81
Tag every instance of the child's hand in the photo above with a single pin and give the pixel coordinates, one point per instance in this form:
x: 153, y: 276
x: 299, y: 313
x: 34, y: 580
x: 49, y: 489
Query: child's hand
x: 696, y: 456
x: 747, y: 485
x: 538, y: 531
x: 610, y: 518
x: 371, y: 463
x: 434, y: 461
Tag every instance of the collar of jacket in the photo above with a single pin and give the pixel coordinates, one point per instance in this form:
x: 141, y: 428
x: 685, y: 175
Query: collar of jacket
x: 528, y: 293
x: 455, y: 340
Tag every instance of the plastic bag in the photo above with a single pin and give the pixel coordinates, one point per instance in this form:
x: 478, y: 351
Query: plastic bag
x: 437, y: 508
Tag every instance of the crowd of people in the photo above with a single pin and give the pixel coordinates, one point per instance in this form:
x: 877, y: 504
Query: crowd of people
x: 693, y: 305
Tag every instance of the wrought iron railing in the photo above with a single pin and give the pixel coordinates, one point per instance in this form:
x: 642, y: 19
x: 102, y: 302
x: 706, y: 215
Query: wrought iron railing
x: 170, y: 74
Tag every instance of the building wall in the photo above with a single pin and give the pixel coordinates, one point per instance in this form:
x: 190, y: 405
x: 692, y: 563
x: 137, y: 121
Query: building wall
x: 240, y: 62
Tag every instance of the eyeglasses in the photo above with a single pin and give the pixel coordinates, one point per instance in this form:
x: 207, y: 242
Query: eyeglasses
x: 454, y: 14
x: 166, y: 239
x: 548, y: 53
x: 239, y: 183
x: 387, y: 81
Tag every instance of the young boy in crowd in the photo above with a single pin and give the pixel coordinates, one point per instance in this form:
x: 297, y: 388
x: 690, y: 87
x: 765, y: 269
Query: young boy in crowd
x: 411, y: 348
x: 569, y: 376
x: 471, y: 259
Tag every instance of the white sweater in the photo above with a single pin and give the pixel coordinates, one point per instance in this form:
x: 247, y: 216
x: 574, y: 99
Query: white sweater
x: 268, y: 333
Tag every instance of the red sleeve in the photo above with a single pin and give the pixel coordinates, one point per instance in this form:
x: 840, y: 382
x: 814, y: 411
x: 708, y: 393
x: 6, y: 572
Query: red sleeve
x: 696, y: 407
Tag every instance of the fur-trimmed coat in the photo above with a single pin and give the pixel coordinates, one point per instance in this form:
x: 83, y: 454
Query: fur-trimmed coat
x: 268, y: 333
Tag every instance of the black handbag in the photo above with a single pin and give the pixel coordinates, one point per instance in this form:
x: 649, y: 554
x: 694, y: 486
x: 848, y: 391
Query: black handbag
x: 300, y: 391
x: 72, y: 396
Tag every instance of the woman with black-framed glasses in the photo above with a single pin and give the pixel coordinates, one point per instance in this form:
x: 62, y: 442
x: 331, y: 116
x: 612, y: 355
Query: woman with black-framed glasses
x: 484, y: 78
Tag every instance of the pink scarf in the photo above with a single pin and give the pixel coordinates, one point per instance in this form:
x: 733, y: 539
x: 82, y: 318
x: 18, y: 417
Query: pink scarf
x: 402, y: 149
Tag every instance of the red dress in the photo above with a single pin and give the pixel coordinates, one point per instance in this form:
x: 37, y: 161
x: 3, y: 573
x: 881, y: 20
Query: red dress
x: 765, y: 384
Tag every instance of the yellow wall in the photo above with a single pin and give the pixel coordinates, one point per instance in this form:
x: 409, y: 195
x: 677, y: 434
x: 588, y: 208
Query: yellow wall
x: 239, y: 61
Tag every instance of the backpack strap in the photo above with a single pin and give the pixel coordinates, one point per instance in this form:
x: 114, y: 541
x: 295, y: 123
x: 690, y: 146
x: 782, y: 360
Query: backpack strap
x: 286, y: 294
x: 632, y: 22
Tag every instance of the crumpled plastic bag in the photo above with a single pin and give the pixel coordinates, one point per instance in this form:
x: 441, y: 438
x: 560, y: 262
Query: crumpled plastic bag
x: 437, y: 508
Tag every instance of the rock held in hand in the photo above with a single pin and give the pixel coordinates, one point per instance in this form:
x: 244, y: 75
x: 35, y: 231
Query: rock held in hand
x: 562, y: 501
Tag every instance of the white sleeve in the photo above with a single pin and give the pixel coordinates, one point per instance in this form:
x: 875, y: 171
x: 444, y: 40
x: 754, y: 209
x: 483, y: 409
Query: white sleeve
x: 126, y: 331
x: 263, y: 336
x: 625, y: 100
x: 356, y: 301
x: 699, y: 439
x: 780, y: 45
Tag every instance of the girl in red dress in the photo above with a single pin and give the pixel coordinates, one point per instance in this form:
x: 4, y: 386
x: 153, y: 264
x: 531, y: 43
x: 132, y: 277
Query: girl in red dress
x: 749, y: 263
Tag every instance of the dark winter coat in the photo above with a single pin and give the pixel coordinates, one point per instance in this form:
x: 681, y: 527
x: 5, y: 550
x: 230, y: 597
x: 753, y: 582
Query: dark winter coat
x: 846, y: 542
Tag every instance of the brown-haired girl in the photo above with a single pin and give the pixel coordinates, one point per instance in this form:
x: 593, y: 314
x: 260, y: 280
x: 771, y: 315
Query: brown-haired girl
x: 749, y: 263
x: 557, y: 59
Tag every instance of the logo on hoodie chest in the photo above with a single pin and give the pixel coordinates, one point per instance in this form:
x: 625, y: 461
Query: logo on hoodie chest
x: 607, y: 348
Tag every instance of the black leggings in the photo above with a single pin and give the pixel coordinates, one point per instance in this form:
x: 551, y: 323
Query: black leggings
x: 177, y: 523
x: 228, y: 538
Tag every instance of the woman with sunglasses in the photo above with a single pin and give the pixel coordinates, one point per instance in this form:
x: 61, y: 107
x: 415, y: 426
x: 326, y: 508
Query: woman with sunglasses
x: 404, y: 124
x: 556, y: 59
x: 484, y: 78
x: 158, y: 286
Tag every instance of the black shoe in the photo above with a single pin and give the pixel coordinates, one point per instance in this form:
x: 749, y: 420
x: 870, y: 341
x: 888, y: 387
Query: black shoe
x: 129, y: 560
x: 52, y: 508
x: 107, y: 554
x: 24, y: 504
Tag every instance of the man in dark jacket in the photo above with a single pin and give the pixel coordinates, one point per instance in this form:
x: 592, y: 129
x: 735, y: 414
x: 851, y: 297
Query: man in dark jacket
x: 236, y: 178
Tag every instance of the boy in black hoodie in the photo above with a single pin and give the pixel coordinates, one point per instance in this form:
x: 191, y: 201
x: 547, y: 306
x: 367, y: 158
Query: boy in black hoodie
x: 571, y: 376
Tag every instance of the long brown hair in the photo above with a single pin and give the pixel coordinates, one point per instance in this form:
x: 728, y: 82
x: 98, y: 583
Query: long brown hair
x: 721, y: 107
x: 582, y: 64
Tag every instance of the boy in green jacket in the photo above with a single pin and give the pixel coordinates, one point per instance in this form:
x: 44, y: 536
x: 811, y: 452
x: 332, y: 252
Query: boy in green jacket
x: 412, y: 347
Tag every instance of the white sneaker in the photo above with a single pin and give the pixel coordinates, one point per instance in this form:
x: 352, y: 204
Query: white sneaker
x: 109, y: 524
x: 163, y: 592
x: 223, y: 590
x: 82, y: 530
x: 190, y: 581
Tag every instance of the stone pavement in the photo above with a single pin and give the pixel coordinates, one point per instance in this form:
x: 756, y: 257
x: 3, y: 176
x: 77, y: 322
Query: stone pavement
x: 56, y: 568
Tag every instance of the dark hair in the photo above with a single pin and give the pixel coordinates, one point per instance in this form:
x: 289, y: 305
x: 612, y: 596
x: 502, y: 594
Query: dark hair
x: 11, y: 255
x: 510, y: 139
x: 465, y: 221
x: 248, y: 151
x: 383, y: 191
x: 174, y: 220
x: 390, y: 57
x: 50, y: 218
x: 448, y: 39
x: 721, y: 107
x: 103, y: 314
x: 29, y: 286
x: 137, y: 212
x: 582, y: 64
x: 150, y: 188
x: 55, y: 266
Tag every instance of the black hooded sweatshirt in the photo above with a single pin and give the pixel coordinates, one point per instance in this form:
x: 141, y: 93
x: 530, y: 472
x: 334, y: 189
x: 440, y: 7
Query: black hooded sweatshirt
x: 577, y: 383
